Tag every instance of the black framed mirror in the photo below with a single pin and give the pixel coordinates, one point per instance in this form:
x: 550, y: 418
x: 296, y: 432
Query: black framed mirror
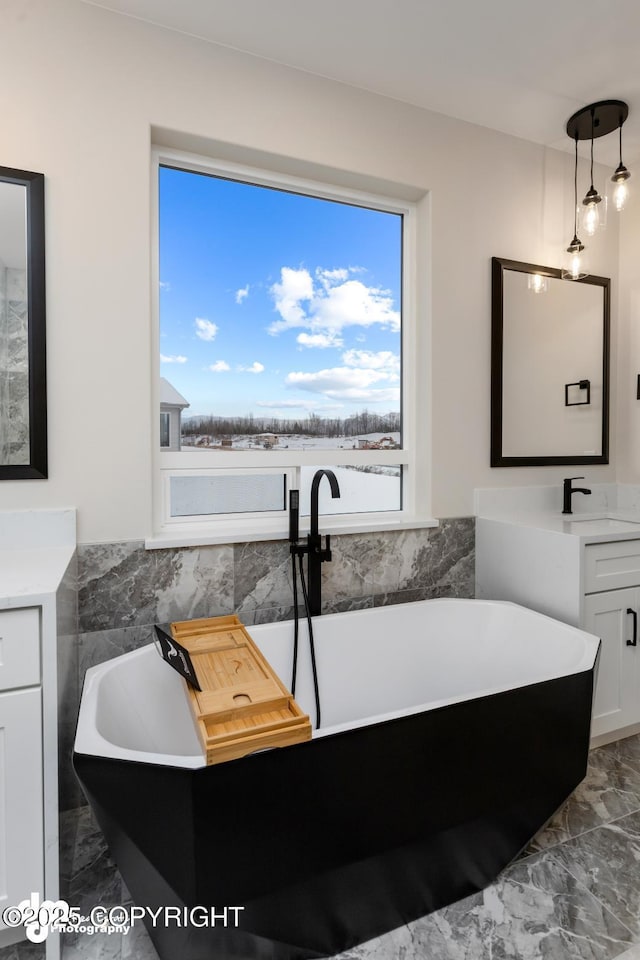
x: 549, y: 367
x: 23, y: 388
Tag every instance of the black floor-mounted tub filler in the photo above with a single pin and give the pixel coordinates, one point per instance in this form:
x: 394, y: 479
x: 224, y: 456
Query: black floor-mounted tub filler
x: 452, y: 731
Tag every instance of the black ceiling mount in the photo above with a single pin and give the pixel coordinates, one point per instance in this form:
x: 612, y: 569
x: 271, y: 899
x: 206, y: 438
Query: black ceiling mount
x: 607, y: 116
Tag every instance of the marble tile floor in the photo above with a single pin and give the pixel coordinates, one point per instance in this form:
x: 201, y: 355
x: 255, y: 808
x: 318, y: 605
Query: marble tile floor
x: 574, y: 894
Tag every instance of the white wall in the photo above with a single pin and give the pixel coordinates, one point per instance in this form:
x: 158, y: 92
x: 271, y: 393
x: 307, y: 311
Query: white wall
x: 629, y: 355
x: 82, y: 88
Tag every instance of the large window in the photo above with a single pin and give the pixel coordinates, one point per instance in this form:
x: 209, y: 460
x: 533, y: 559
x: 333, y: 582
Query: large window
x: 283, y: 323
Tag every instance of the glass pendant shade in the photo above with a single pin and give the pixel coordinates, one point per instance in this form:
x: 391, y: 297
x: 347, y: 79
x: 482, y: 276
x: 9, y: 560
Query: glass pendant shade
x: 574, y: 264
x: 620, y: 177
x: 621, y: 189
x: 591, y: 211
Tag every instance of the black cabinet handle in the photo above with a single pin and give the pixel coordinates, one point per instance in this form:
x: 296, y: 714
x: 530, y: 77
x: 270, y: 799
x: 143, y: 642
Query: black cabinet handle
x: 634, y: 614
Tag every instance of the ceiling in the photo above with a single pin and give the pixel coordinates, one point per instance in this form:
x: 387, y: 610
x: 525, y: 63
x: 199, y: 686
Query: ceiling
x: 517, y: 66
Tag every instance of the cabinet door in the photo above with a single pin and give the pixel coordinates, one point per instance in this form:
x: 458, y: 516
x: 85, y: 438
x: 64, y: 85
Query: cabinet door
x: 19, y: 648
x: 617, y: 696
x: 21, y: 828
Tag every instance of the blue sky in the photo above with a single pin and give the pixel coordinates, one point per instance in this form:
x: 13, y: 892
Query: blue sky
x: 277, y: 304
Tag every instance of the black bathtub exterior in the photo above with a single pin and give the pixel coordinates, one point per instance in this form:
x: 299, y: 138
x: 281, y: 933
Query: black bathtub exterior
x: 331, y: 842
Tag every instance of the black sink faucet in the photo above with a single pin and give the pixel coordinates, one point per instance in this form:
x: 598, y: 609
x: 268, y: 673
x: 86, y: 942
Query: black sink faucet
x: 568, y: 491
x: 316, y: 556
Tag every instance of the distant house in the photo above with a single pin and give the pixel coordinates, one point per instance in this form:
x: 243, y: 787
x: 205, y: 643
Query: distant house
x: 268, y: 440
x: 384, y: 443
x: 172, y: 404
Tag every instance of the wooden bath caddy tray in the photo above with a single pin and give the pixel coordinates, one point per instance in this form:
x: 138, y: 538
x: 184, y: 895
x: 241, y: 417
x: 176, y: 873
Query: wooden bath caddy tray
x: 243, y: 705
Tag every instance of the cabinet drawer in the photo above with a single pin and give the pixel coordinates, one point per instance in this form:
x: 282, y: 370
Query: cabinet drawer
x: 610, y: 566
x: 19, y: 647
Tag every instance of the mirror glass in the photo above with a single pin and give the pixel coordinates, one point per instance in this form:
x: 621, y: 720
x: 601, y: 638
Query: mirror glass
x: 23, y: 415
x: 550, y: 359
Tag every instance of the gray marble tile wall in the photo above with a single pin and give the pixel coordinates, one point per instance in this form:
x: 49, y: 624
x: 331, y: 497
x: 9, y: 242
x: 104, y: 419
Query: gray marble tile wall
x: 123, y: 590
x: 4, y: 352
x: 14, y: 373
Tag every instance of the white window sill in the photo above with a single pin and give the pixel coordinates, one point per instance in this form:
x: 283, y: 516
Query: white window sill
x: 233, y: 532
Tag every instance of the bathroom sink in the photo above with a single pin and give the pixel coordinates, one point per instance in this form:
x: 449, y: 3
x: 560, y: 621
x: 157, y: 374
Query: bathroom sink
x: 602, y: 524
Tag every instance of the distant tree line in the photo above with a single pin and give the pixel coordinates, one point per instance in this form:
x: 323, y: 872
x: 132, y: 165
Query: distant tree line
x: 313, y: 426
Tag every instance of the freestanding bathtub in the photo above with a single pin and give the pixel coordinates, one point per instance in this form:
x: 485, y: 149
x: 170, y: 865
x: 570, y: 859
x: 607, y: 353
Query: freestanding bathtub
x: 452, y: 731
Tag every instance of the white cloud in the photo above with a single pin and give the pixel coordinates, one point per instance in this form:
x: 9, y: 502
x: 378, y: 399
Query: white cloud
x: 334, y: 378
x: 205, y: 329
x: 334, y: 302
x: 220, y: 366
x: 164, y: 285
x: 353, y: 304
x: 242, y: 294
x: 295, y: 287
x: 328, y: 277
x: 319, y: 340
x: 366, y: 376
x: 172, y: 359
x: 381, y: 360
x: 255, y: 367
x: 301, y: 404
x: 347, y: 383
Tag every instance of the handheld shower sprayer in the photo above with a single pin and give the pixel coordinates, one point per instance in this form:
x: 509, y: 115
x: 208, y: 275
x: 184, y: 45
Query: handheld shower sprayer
x: 294, y: 516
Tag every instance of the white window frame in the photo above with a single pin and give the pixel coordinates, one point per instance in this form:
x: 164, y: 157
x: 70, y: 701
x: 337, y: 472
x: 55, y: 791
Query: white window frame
x: 414, y: 457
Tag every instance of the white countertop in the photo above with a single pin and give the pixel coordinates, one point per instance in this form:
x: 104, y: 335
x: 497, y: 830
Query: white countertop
x: 36, y: 547
x: 31, y: 573
x: 589, y: 528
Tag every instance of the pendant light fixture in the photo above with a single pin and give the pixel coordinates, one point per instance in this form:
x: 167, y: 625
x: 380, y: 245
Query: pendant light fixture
x: 574, y: 267
x: 620, y: 177
x: 591, y: 122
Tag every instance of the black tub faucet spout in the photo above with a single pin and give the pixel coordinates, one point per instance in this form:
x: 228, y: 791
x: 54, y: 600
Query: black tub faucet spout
x: 316, y: 556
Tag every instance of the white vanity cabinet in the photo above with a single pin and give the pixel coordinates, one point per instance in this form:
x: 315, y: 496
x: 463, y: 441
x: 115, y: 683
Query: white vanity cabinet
x: 36, y: 553
x: 21, y: 760
x: 21, y: 822
x: 586, y: 573
x: 611, y: 611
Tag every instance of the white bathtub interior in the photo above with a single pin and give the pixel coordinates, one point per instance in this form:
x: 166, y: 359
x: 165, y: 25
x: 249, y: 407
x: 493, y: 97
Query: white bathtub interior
x: 392, y: 660
x: 372, y: 664
x: 135, y: 708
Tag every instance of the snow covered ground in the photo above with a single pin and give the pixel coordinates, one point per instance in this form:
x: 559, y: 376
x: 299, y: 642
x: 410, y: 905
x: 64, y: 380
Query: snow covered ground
x: 359, y: 492
x: 297, y: 442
